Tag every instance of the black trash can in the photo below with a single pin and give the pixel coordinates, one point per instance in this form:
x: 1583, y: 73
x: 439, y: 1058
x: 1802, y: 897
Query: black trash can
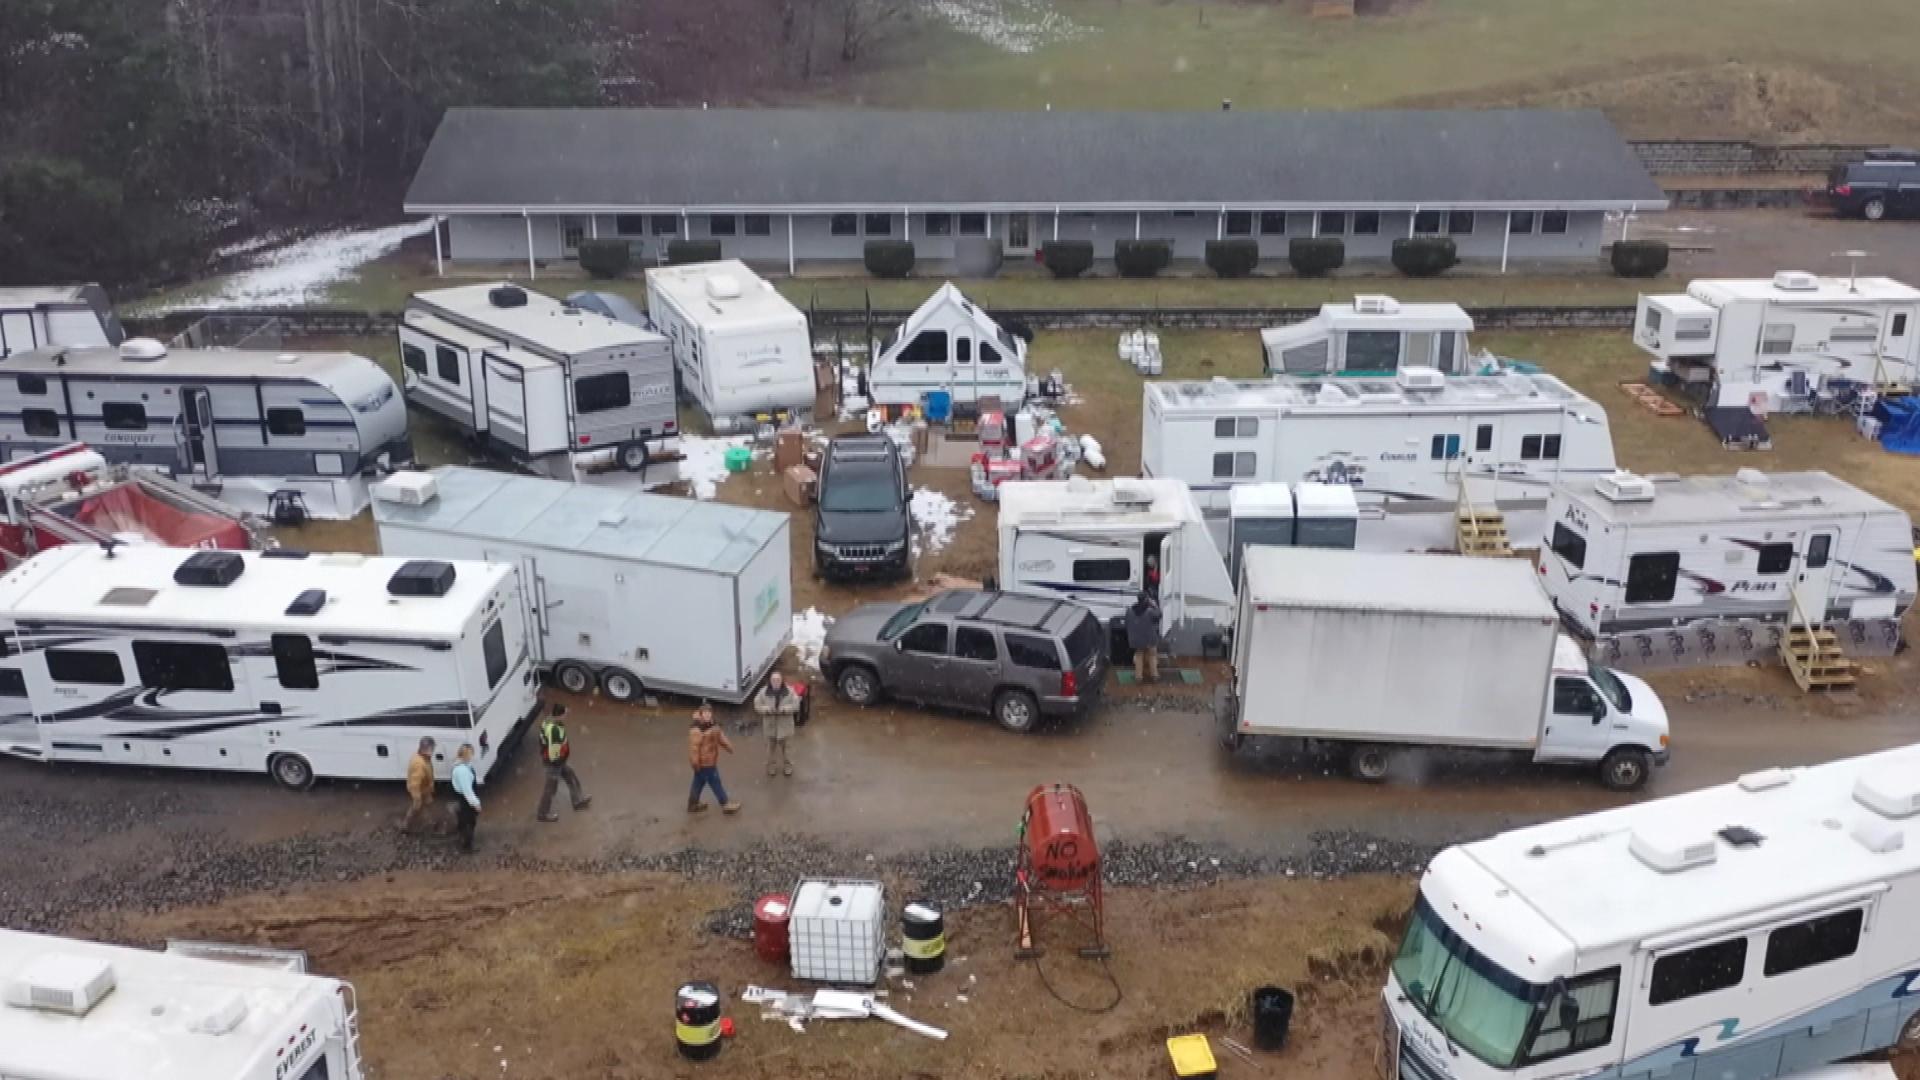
x: 1272, y: 1016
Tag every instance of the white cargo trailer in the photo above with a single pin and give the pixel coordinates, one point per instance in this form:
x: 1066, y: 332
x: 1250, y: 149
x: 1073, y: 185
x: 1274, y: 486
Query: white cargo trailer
x: 742, y: 349
x: 79, y: 1010
x: 1365, y: 652
x: 1375, y: 335
x: 628, y: 592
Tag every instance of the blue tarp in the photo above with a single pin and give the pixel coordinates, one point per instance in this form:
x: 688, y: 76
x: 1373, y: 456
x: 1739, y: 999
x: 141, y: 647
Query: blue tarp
x: 1899, y: 425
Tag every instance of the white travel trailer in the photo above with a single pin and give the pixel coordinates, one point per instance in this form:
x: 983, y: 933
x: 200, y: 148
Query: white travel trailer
x: 1374, y: 335
x: 241, y: 423
x: 742, y: 349
x: 295, y: 665
x: 1748, y: 931
x: 1783, y: 343
x: 628, y: 592
x: 79, y: 1010
x: 949, y: 344
x: 542, y: 381
x: 1628, y: 553
x: 1089, y: 541
x: 38, y: 316
x: 1403, y: 444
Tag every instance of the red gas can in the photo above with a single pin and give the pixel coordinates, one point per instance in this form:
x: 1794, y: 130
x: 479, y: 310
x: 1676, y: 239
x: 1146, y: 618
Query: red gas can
x: 770, y: 928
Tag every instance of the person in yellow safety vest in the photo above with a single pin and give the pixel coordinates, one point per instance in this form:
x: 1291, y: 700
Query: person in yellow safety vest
x: 554, y: 751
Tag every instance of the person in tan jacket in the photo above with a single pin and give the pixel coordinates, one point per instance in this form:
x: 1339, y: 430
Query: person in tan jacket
x: 419, y: 784
x: 777, y: 705
x: 705, y: 740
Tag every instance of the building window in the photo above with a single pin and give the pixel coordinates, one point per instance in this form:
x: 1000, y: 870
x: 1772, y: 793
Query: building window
x: 1236, y: 427
x: 1273, y: 223
x: 598, y: 393
x: 124, y: 416
x: 1444, y: 448
x: 1553, y: 221
x: 939, y: 224
x: 1426, y: 223
x: 286, y: 422
x: 844, y: 225
x: 415, y: 358
x: 1460, y: 223
x: 1775, y: 558
x: 293, y: 662
x: 757, y: 225
x: 1681, y: 975
x: 973, y: 224
x: 88, y: 667
x: 1570, y: 545
x: 1333, y: 223
x: 665, y: 224
x: 1239, y: 223
x: 1815, y: 941
x: 1651, y: 577
x: 571, y: 234
x: 1085, y: 570
x: 1776, y: 339
x: 1520, y: 222
x: 493, y: 647
x: 1234, y: 466
x: 40, y: 423
x: 630, y: 224
x: 175, y: 665
x: 1366, y: 222
x: 447, y: 363
x: 35, y: 384
x: 721, y: 225
x: 879, y: 224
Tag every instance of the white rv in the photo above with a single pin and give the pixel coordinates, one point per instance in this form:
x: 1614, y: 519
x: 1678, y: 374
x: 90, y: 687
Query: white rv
x: 79, y: 1010
x: 35, y: 317
x: 295, y: 665
x: 1403, y: 444
x: 1089, y: 541
x: 627, y: 592
x: 540, y: 380
x: 1748, y: 931
x: 743, y: 350
x: 1374, y: 335
x: 949, y: 344
x: 1784, y: 343
x: 245, y: 424
x: 1629, y: 553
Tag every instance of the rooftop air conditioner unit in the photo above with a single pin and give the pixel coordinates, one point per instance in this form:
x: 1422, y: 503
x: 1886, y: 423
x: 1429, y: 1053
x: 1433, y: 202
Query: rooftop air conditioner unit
x: 1622, y: 486
x: 1795, y: 281
x: 62, y: 983
x: 142, y: 349
x: 1889, y: 792
x: 723, y: 287
x: 210, y: 569
x: 1422, y: 379
x: 422, y: 577
x: 1375, y: 304
x: 1129, y: 492
x: 1670, y: 850
x: 406, y: 489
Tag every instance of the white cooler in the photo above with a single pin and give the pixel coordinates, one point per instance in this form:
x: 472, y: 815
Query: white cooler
x: 836, y: 931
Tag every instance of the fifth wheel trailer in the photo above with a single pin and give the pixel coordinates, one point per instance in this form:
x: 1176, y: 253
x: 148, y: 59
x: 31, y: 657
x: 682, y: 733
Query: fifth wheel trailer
x: 628, y: 592
x: 1365, y: 652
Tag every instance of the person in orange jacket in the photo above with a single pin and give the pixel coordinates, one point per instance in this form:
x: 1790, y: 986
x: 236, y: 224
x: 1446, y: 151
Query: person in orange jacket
x: 705, y: 740
x: 419, y: 784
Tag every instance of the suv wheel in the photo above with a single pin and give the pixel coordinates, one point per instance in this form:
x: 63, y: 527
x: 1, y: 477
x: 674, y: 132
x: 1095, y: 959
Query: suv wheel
x: 858, y: 684
x: 1874, y: 209
x: 1016, y: 711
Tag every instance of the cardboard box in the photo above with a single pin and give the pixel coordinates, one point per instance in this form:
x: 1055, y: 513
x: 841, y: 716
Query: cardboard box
x: 789, y: 449
x: 800, y: 483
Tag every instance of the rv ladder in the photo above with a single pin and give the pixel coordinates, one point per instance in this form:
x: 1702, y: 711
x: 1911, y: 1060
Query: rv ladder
x: 1479, y: 531
x: 354, y: 1068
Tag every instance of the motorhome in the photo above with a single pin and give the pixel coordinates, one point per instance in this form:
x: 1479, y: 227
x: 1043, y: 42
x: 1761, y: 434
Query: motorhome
x: 1374, y: 335
x: 949, y: 345
x: 1091, y: 541
x: 1627, y: 552
x: 240, y: 423
x: 1757, y: 929
x: 602, y: 567
x: 1788, y: 343
x: 1404, y: 444
x: 35, y: 317
x: 546, y: 383
x: 279, y: 662
x: 80, y: 1010
x: 743, y: 350
x: 1287, y: 515
x: 72, y: 496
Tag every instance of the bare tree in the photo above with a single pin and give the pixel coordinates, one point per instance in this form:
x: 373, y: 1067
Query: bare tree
x: 861, y: 21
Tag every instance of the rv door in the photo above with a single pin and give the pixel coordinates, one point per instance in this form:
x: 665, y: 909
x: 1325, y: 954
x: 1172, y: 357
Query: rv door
x: 199, y: 450
x: 1814, y: 576
x: 533, y: 599
x: 1172, y: 599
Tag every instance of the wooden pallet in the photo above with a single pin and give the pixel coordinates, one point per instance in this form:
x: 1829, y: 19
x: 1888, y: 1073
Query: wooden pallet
x: 1653, y: 400
x: 1816, y: 660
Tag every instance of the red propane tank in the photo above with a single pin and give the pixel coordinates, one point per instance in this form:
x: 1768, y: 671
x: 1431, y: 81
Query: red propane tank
x: 770, y: 928
x: 1059, y: 836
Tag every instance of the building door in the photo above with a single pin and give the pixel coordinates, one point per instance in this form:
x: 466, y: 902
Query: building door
x: 1020, y: 233
x: 1811, y: 580
x: 199, y: 448
x: 572, y: 231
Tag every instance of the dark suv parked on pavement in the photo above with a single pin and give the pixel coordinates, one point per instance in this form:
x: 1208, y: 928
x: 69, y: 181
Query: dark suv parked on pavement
x: 1015, y: 657
x: 861, y: 523
x: 1887, y: 183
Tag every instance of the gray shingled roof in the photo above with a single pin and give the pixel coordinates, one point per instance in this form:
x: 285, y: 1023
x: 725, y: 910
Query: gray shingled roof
x: 611, y: 159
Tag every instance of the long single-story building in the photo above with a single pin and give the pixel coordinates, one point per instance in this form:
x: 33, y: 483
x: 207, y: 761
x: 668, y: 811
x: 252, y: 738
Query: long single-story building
x: 779, y: 186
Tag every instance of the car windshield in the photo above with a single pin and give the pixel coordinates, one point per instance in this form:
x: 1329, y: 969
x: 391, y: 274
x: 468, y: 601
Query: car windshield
x: 1479, y: 1005
x: 900, y: 621
x: 859, y: 488
x: 1610, y: 685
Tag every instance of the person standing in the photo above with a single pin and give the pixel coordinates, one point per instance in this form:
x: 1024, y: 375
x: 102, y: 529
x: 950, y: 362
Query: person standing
x: 419, y: 784
x: 1143, y: 637
x: 705, y: 740
x: 555, y: 750
x: 467, y: 810
x: 778, y: 707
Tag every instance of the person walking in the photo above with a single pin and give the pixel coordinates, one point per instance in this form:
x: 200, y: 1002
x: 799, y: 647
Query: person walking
x: 467, y: 810
x: 705, y: 740
x: 555, y: 750
x: 419, y: 784
x: 778, y: 707
x: 1143, y: 637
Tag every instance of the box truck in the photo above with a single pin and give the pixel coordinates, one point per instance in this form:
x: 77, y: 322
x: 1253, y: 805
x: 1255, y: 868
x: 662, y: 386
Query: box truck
x: 1443, y: 650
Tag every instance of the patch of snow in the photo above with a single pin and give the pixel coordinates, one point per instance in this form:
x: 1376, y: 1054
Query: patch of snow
x: 810, y: 636
x: 300, y: 272
x: 1015, y: 26
x: 268, y: 239
x: 704, y: 467
x: 935, y: 517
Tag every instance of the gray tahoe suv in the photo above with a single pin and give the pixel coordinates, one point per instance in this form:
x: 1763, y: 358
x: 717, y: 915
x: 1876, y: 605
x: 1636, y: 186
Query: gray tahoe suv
x: 1017, y: 658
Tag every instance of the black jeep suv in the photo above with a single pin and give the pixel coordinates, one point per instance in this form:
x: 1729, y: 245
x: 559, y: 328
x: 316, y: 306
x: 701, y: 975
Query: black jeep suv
x: 861, y: 523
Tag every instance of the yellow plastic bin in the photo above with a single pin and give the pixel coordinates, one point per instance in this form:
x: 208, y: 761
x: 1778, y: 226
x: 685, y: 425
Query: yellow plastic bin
x: 1192, y: 1057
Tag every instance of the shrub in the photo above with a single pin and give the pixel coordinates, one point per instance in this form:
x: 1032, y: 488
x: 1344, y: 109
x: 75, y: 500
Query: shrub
x: 1141, y: 258
x: 1316, y: 256
x: 682, y: 252
x: 1233, y: 258
x: 1424, y: 256
x: 889, y: 258
x: 1640, y: 258
x: 1067, y: 258
x: 605, y: 258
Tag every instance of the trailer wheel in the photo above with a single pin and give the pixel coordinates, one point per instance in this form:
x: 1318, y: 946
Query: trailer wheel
x: 573, y: 678
x: 290, y: 771
x: 1016, y: 711
x: 858, y: 684
x: 621, y: 686
x: 1368, y: 762
x: 634, y: 456
x: 1625, y: 768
